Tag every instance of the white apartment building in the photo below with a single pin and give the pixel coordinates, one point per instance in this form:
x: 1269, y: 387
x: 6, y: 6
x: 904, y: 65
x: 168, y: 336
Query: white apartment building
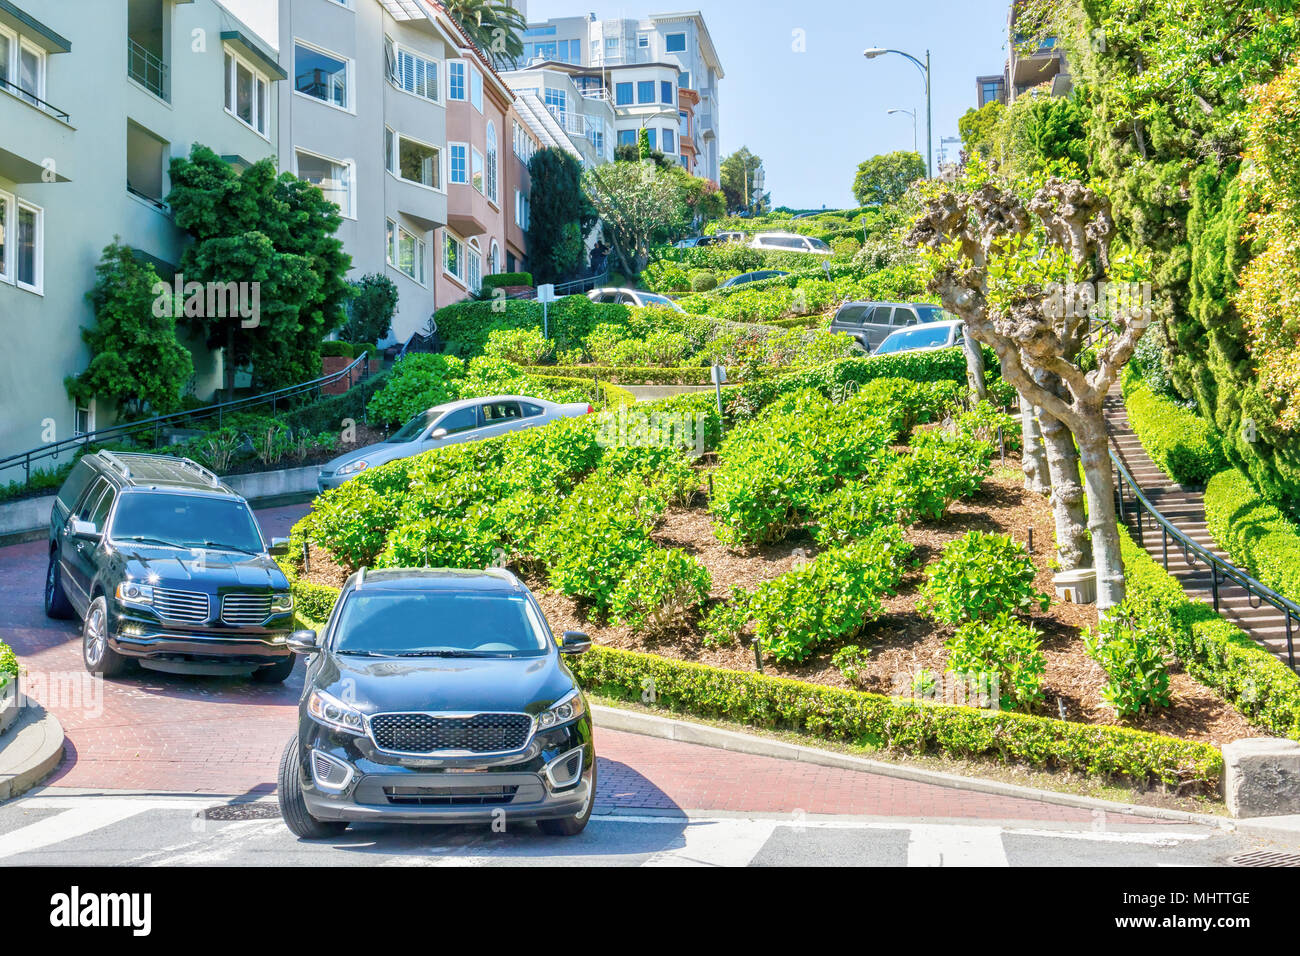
x: 659, y: 72
x: 586, y: 116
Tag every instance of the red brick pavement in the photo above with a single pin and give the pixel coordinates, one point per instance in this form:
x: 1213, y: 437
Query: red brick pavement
x: 160, y: 732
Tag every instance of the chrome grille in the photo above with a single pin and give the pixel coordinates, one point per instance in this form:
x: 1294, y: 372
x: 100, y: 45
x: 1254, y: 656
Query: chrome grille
x: 426, y: 733
x: 185, y: 607
x: 241, y: 609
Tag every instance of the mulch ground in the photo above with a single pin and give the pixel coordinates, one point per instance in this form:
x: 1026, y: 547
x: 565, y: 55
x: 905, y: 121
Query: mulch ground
x: 901, y: 641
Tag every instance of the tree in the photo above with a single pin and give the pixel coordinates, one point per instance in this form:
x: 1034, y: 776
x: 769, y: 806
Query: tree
x: 979, y: 129
x: 628, y: 153
x: 371, y: 309
x: 559, y: 215
x: 737, y: 178
x: 640, y: 205
x: 273, y: 237
x: 882, y: 180
x: 136, y: 360
x: 495, y: 27
x: 997, y: 264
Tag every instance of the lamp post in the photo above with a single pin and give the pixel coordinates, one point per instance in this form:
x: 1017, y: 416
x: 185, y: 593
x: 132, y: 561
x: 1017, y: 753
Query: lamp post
x: 871, y: 53
x: 911, y: 113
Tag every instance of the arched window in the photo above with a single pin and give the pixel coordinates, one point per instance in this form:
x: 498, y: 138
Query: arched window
x: 492, y: 161
x: 474, y: 274
x: 494, y: 259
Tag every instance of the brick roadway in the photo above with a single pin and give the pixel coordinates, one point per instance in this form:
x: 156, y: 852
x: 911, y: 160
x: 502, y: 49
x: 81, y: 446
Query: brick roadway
x: 167, y: 733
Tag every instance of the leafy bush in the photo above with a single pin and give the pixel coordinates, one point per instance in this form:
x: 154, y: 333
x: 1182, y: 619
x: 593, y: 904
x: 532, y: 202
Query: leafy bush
x: 338, y: 348
x: 1134, y: 661
x: 520, y: 346
x: 660, y: 591
x: 8, y: 661
x: 417, y: 382
x: 703, y: 280
x: 978, y: 577
x: 500, y: 279
x: 1186, y: 447
x: 850, y: 660
x: 1001, y: 652
x: 1255, y: 533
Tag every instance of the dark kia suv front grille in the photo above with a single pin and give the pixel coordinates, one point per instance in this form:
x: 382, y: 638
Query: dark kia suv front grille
x: 425, y: 733
x: 450, y: 796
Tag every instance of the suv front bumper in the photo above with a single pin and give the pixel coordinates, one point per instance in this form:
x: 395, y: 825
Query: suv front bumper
x: 136, y: 636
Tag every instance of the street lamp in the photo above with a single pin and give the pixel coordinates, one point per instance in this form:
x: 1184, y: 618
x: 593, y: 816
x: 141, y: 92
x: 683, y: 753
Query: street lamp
x: 871, y: 53
x: 911, y: 113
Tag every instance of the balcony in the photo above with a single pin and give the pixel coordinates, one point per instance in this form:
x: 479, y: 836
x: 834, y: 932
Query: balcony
x: 575, y: 124
x: 147, y: 69
x: 35, y: 132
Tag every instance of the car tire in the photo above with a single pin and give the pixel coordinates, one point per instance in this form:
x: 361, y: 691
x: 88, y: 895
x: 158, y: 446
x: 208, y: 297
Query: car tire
x: 276, y: 673
x: 293, y: 807
x: 98, y: 657
x: 57, y: 604
x: 572, y: 826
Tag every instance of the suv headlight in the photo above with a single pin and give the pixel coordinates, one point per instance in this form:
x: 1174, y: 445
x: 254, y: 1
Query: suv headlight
x: 134, y: 593
x: 352, y: 467
x: 567, y: 708
x: 281, y: 602
x: 332, y: 712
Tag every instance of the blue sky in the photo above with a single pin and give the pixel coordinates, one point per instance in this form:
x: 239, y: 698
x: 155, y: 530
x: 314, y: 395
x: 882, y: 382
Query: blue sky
x: 813, y: 116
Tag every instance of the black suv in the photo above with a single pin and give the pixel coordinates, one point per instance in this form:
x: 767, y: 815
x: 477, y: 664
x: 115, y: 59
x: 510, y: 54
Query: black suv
x: 438, y: 696
x: 166, y: 565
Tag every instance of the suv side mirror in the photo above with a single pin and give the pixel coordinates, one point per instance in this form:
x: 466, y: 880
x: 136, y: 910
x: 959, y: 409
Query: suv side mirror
x: 575, y: 642
x: 279, y: 547
x: 303, y: 642
x: 437, y: 433
x: 79, y: 528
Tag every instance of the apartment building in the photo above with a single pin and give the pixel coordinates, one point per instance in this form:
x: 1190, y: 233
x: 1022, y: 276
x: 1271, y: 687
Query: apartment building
x: 582, y: 110
x: 1044, y: 66
x: 95, y: 100
x: 642, y: 65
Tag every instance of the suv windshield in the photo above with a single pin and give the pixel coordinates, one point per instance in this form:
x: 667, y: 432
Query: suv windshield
x: 933, y: 313
x: 439, y: 624
x: 187, y: 521
x: 412, y: 429
x: 650, y: 298
x: 920, y: 337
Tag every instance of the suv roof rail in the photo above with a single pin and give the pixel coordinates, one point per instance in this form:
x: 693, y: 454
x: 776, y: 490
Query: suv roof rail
x: 361, y: 577
x: 207, y: 475
x: 115, y: 462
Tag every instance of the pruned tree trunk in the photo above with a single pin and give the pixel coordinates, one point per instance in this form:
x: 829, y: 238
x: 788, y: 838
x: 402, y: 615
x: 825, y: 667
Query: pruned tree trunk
x: 974, y: 366
x: 1102, y: 521
x: 1073, y: 550
x: 1034, y: 455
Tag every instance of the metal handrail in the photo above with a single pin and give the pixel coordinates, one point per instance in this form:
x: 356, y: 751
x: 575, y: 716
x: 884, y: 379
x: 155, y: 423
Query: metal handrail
x: 146, y: 68
x: 1220, y: 570
x: 583, y: 284
x: 34, y: 100
x: 158, y: 422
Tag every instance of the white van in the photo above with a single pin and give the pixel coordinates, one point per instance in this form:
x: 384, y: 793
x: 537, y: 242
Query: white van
x: 789, y: 242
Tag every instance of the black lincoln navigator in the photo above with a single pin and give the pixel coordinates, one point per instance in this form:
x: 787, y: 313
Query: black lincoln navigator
x: 167, y: 566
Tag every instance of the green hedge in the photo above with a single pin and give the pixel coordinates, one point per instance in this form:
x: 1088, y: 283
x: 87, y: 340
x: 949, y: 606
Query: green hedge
x: 498, y: 279
x: 899, y: 725
x: 1185, y: 446
x: 1255, y: 533
x: 1215, y: 652
x: 640, y: 375
x: 8, y: 661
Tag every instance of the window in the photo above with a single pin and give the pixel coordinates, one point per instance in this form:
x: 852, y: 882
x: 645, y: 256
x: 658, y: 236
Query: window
x: 627, y: 137
x: 456, y: 79
x: 411, y: 72
x: 23, y: 66
x: 453, y: 256
x: 146, y: 157
x: 22, y: 243
x: 83, y: 418
x: 685, y: 125
x: 654, y: 137
x: 322, y: 76
x: 557, y: 100
x: 406, y: 252
x: 611, y: 45
x: 333, y: 178
x: 476, y: 169
x: 622, y: 94
x: 684, y: 80
x: 459, y: 172
x: 645, y: 91
x: 6, y: 242
x: 494, y: 259
x: 491, y: 177
x: 476, y: 89
x: 460, y: 421
x: 474, y: 266
x: 675, y: 42
x: 412, y: 160
x: 522, y: 210
x: 247, y: 94
x: 670, y: 141
x: 643, y: 41
x: 524, y: 145
x: 666, y: 92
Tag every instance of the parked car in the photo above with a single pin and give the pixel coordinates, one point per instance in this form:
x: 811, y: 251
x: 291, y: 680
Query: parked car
x: 869, y: 322
x: 166, y: 565
x: 789, y: 242
x: 438, y: 696
x: 688, y: 243
x: 637, y: 297
x: 931, y: 335
x: 469, y: 419
x: 747, y: 277
x: 728, y: 235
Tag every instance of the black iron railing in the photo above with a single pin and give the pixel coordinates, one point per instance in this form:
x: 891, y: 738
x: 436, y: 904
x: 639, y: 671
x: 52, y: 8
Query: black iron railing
x: 33, y: 99
x: 1221, y: 572
x: 157, y: 424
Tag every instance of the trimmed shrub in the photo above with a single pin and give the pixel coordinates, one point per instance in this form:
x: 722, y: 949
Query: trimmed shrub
x: 703, y: 281
x: 500, y: 279
x: 660, y: 592
x: 979, y: 577
x: 338, y: 348
x: 1137, y: 678
x: 520, y: 346
x: 1257, y: 535
x: 1002, y: 653
x: 1186, y: 447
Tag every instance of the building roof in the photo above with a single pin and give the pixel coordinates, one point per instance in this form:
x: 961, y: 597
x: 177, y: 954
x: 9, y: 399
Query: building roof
x: 706, y: 41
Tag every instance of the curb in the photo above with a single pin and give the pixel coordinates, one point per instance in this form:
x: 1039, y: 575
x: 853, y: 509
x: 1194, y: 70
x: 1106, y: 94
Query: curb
x: 666, y: 728
x: 32, y: 749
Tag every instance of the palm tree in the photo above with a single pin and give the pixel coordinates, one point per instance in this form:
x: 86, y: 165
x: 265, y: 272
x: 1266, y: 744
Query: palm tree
x: 494, y: 25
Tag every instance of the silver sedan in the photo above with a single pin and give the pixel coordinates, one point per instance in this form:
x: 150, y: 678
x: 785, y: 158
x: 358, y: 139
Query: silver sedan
x: 470, y: 419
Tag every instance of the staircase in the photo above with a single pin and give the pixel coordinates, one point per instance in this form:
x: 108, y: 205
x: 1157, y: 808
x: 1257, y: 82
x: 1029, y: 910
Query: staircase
x: 1184, y: 508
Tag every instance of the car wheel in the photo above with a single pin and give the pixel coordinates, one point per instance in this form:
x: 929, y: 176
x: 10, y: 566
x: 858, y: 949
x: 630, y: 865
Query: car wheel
x: 57, y: 604
x: 98, y: 657
x: 276, y: 673
x: 572, y: 826
x: 293, y: 807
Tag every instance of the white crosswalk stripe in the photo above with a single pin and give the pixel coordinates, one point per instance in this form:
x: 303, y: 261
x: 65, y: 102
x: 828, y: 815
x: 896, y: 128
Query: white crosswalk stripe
x: 717, y: 843
x: 67, y: 825
x: 955, y: 846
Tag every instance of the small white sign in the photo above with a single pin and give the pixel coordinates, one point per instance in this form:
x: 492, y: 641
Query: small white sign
x: 719, y: 375
x: 546, y: 293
